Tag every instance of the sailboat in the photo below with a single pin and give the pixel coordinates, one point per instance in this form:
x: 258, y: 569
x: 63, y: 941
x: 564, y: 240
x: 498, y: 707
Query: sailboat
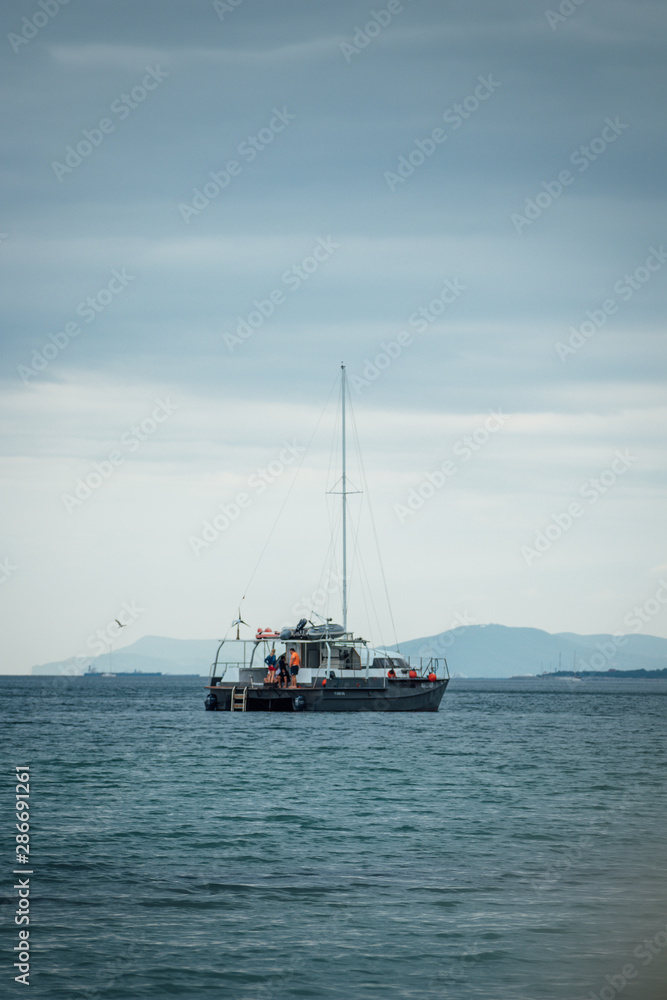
x: 338, y: 671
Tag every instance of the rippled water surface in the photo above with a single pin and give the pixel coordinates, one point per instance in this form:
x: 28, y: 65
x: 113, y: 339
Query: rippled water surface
x: 511, y: 846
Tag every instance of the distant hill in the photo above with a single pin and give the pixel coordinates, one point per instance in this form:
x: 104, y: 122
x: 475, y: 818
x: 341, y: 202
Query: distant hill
x: 150, y: 654
x: 471, y: 651
x: 500, y: 651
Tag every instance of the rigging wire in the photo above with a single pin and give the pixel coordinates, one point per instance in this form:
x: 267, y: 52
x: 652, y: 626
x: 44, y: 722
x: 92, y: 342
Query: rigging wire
x: 365, y: 587
x: 289, y: 491
x: 334, y: 526
x: 375, y: 535
x: 329, y: 564
x: 334, y: 513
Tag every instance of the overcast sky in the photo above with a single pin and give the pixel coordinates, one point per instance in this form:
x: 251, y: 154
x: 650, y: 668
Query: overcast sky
x: 209, y: 206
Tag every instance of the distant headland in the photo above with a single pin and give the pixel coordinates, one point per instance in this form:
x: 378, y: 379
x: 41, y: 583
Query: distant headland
x: 647, y: 675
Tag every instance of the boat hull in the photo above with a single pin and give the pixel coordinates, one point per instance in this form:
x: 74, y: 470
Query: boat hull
x: 398, y: 696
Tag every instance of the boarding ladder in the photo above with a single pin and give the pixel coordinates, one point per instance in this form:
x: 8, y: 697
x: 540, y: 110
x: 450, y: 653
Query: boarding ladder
x: 238, y: 700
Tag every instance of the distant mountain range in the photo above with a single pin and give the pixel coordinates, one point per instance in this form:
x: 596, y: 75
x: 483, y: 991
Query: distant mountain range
x: 500, y: 651
x: 471, y: 651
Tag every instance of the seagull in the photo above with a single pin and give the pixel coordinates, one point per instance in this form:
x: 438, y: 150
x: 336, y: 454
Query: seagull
x: 119, y: 624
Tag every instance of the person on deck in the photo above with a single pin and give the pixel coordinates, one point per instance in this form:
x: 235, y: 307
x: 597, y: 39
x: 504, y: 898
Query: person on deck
x: 294, y: 664
x: 281, y: 666
x: 270, y: 661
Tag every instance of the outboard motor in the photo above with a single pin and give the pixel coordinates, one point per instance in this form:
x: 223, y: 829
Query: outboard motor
x: 298, y: 703
x: 211, y: 702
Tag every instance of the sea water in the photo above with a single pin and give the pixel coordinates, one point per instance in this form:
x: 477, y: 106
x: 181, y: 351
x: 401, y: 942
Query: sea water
x: 509, y: 847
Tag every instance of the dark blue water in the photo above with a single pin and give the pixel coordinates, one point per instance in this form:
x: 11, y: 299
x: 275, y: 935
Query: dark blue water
x: 511, y: 846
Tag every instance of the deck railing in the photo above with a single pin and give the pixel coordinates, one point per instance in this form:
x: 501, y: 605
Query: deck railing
x: 426, y: 665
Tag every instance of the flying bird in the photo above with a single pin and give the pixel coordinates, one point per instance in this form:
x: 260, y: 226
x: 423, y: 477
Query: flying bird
x: 119, y: 624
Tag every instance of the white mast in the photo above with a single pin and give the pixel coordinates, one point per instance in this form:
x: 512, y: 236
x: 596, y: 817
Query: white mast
x: 344, y: 492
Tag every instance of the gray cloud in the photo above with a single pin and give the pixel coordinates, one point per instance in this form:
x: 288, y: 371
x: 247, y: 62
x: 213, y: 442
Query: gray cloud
x: 357, y: 117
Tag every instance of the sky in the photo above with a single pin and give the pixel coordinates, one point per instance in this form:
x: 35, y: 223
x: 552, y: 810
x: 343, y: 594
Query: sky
x: 209, y: 207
